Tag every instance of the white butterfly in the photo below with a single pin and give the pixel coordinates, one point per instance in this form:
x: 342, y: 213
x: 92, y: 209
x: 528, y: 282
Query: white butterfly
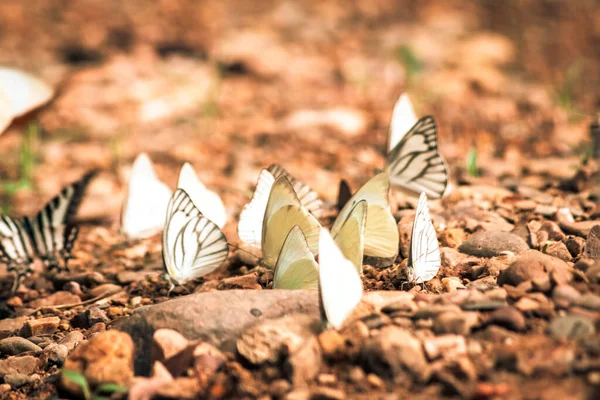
x: 283, y: 212
x: 340, y: 286
x: 413, y: 161
x: 20, y: 93
x: 296, y: 267
x: 351, y: 236
x: 251, y: 218
x: 403, y: 118
x: 381, y: 232
x: 146, y: 201
x: 193, y: 246
x: 424, y: 258
x: 207, y: 201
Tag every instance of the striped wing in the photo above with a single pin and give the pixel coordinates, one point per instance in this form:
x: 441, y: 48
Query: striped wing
x: 296, y: 267
x: 415, y: 164
x: 193, y: 246
x: 308, y: 197
x: 15, y: 244
x: 424, y: 258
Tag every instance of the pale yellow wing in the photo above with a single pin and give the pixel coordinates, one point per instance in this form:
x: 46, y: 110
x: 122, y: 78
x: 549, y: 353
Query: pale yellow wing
x: 351, y: 236
x: 296, y: 267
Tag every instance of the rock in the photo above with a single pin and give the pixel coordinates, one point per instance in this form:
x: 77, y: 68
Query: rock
x: 565, y: 295
x: 106, y: 358
x: 217, y: 317
x: 452, y: 237
x: 457, y: 323
x: 447, y: 346
x: 531, y: 265
x: 105, y: 289
x: 394, y: 351
x: 558, y: 250
x: 42, y: 326
x: 592, y: 243
x: 303, y: 364
x: 166, y: 343
x: 575, y: 245
x: 89, y: 318
x: 492, y: 243
x: 571, y: 327
x: 248, y: 281
x: 452, y: 284
x: 279, y: 387
x: 327, y: 393
x: 553, y: 230
x: 95, y: 329
x: 207, y: 360
x: 18, y: 365
x: 179, y: 388
x: 55, y: 299
x: 10, y: 326
x: 146, y: 388
x: 590, y: 301
x: 432, y: 310
x: 74, y: 288
x: 404, y: 232
x: 582, y: 228
x: 332, y: 344
x: 16, y: 380
x: 16, y: 345
x: 72, y: 339
x: 451, y: 257
x: 127, y: 277
x: 508, y: 317
x: 55, y: 354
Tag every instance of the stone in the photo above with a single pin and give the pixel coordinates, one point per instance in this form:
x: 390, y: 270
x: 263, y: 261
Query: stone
x: 10, y: 326
x: 458, y: 323
x: 558, y: 250
x: 327, y: 393
x: 95, y: 329
x: 18, y: 365
x: 89, y: 318
x: 452, y: 237
x: 394, y: 351
x: 448, y: 347
x: 179, y: 388
x: 452, y: 284
x: 128, y: 277
x: 508, y: 317
x: 217, y: 317
x: 166, y: 343
x: 72, y: 339
x: 55, y: 354
x: 575, y: 245
x: 146, y: 388
x: 492, y: 243
x: 42, y: 326
x: 531, y: 265
x: 56, y: 299
x: 332, y: 344
x: 590, y: 301
x: 571, y: 327
x: 248, y: 281
x: 105, y: 290
x: 404, y: 232
x: 207, y: 360
x: 553, y: 230
x: 16, y: 380
x: 105, y: 358
x: 592, y: 243
x: 565, y: 295
x: 303, y: 364
x: 581, y: 228
x: 16, y: 345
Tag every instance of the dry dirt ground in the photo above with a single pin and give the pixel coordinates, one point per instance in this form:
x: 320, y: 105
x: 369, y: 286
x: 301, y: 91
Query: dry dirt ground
x: 233, y: 86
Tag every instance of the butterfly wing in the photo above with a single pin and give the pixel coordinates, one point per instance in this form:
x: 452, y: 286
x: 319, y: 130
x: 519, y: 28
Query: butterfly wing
x: 296, y: 267
x: 146, y: 201
x: 381, y: 232
x: 344, y: 194
x: 308, y: 197
x: 193, y: 245
x: 351, y: 236
x: 250, y: 223
x: 283, y: 212
x: 340, y: 286
x: 424, y: 257
x: 208, y: 202
x: 415, y: 164
x: 403, y: 118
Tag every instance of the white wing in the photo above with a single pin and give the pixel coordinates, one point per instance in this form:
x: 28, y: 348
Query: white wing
x: 296, y: 267
x: 145, y: 204
x: 20, y: 93
x: 403, y: 118
x: 208, y: 202
x: 340, y: 286
x: 415, y: 164
x: 251, y: 218
x: 381, y: 232
x: 308, y: 197
x: 193, y: 246
x: 424, y: 257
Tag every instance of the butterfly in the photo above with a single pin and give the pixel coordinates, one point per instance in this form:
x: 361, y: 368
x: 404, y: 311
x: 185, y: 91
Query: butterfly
x: 146, y: 201
x: 207, y: 201
x: 20, y: 93
x: 403, y: 118
x: 414, y: 164
x: 251, y: 218
x: 424, y: 258
x: 296, y: 267
x: 340, y: 286
x: 284, y: 211
x: 192, y: 245
x: 381, y: 237
x: 48, y: 235
x: 344, y: 194
x: 351, y: 236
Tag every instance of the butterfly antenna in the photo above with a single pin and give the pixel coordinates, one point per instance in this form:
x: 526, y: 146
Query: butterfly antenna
x: 245, y: 251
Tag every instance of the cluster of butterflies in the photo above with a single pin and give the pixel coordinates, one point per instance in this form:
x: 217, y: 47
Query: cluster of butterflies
x: 280, y: 225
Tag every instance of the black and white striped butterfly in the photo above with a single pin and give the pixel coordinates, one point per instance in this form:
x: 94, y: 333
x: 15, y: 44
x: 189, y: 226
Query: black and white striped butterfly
x: 192, y: 245
x: 424, y: 257
x: 414, y: 163
x: 48, y: 235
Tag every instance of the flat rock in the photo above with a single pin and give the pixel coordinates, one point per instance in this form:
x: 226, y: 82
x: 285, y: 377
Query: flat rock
x: 532, y: 265
x: 492, y: 243
x: 16, y: 345
x: 18, y: 365
x: 56, y: 299
x: 9, y: 326
x: 581, y: 228
x: 571, y: 327
x: 41, y: 326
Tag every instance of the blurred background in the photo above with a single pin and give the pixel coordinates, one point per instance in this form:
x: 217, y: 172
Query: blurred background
x: 233, y: 86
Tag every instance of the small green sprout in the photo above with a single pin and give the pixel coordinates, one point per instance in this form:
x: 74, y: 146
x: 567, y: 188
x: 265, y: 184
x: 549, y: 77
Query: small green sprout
x: 102, y: 392
x: 411, y: 63
x: 472, y: 162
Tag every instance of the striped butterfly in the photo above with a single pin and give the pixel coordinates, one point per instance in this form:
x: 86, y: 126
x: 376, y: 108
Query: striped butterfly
x: 296, y: 267
x: 20, y: 93
x: 48, y: 235
x: 381, y: 233
x: 192, y: 245
x: 340, y: 286
x: 424, y: 258
x: 251, y: 219
x: 414, y: 163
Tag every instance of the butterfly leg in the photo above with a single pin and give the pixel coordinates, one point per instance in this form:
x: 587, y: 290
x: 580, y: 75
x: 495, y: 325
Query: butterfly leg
x: 21, y: 271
